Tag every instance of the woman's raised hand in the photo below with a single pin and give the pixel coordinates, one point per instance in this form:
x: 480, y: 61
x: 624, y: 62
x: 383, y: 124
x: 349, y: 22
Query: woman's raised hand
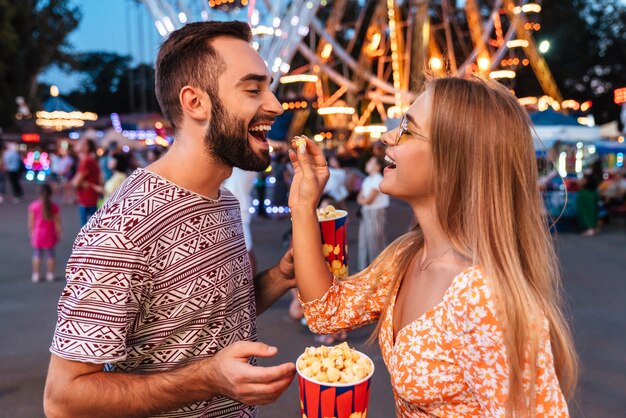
x: 311, y: 174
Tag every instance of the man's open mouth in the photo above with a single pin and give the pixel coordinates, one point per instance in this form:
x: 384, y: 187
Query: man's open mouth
x: 260, y: 131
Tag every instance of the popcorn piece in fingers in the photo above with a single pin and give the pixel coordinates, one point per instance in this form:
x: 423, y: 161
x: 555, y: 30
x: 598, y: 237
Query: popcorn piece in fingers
x: 300, y: 144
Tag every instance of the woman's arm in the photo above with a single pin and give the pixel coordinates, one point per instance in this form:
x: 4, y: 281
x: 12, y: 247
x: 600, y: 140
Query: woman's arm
x: 366, y: 200
x: 311, y: 174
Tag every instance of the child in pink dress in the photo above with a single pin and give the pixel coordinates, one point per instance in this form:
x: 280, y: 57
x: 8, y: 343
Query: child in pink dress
x: 44, y: 225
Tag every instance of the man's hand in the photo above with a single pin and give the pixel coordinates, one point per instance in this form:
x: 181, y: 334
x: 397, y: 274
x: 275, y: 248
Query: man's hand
x: 76, y: 389
x: 271, y: 284
x: 233, y: 377
x: 286, y: 269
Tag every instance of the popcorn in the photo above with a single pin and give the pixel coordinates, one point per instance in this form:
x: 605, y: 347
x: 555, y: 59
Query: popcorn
x: 327, y: 213
x: 300, y: 144
x: 338, y: 269
x: 338, y: 364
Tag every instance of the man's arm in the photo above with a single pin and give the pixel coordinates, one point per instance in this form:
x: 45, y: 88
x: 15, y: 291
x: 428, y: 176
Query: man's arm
x: 75, y: 389
x: 271, y: 284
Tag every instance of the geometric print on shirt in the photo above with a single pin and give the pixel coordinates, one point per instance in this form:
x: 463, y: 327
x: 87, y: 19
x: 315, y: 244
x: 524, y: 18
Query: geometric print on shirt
x: 157, y: 278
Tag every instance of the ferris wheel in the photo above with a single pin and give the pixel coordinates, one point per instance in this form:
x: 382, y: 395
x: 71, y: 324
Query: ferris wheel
x: 359, y: 61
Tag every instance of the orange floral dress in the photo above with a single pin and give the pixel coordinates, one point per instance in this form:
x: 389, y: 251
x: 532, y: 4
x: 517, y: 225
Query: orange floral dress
x: 451, y: 361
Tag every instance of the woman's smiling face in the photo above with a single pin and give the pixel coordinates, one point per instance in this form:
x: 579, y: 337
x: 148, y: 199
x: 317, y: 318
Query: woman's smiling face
x: 410, y: 175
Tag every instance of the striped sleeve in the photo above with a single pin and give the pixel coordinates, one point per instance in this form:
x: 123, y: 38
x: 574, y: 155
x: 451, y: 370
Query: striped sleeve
x: 107, y: 279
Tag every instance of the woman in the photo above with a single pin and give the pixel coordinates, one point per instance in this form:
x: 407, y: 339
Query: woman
x: 468, y: 305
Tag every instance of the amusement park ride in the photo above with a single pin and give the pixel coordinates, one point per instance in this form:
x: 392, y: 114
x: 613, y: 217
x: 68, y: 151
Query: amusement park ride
x: 359, y: 63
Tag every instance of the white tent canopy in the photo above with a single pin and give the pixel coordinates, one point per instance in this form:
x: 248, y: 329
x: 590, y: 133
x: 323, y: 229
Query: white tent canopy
x: 550, y: 126
x: 610, y: 130
x: 545, y: 136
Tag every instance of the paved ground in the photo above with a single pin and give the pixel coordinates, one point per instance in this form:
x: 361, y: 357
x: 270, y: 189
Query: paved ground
x: 595, y: 284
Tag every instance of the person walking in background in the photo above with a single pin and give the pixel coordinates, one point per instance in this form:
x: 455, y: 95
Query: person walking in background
x: 87, y: 180
x: 336, y: 186
x: 587, y: 199
x: 119, y: 167
x: 240, y: 183
x: 14, y: 168
x: 44, y: 225
x: 468, y: 305
x: 3, y: 184
x: 68, y: 165
x: 372, y: 238
x: 282, y: 174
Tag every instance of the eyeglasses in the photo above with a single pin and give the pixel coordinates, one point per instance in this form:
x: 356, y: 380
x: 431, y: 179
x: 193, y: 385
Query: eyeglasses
x: 404, y: 133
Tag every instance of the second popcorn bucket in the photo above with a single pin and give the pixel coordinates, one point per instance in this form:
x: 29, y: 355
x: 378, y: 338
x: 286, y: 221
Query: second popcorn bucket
x: 333, y: 225
x: 323, y: 399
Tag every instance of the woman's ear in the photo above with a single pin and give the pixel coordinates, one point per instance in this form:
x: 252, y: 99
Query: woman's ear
x: 195, y: 103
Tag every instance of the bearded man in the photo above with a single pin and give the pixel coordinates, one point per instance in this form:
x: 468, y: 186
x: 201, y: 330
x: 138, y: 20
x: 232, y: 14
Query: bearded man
x: 158, y: 317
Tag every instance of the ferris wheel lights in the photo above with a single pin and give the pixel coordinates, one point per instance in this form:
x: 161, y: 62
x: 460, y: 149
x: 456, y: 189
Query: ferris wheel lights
x: 516, y: 43
x: 182, y: 17
x: 585, y: 106
x: 435, y: 64
x: 160, y: 27
x: 527, y: 8
x: 336, y: 110
x: 525, y: 101
x: 531, y: 8
x: 303, y: 30
x: 326, y: 51
x: 294, y: 20
x: 483, y: 64
x: 168, y: 24
x: 370, y: 129
x: 375, y: 43
x: 299, y: 78
x: 502, y: 74
x: 255, y: 45
x: 525, y: 62
x: 309, y: 5
x: 276, y: 22
x: 544, y: 46
x: 318, y: 137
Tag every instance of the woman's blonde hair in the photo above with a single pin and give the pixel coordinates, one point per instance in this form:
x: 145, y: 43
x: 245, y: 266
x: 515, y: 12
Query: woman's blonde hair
x: 489, y: 206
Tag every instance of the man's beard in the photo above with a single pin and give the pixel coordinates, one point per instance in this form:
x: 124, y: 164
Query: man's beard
x: 227, y: 139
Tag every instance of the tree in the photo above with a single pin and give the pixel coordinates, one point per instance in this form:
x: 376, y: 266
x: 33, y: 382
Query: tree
x: 33, y: 35
x: 106, y: 86
x: 586, y: 56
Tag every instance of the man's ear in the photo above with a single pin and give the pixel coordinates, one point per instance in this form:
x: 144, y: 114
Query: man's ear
x: 195, y: 103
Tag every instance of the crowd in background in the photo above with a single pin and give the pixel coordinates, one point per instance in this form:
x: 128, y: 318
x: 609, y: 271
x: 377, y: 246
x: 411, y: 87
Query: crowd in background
x: 84, y: 175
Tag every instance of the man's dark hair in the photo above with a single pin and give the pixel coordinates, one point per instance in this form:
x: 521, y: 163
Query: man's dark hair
x: 187, y: 58
x: 91, y: 146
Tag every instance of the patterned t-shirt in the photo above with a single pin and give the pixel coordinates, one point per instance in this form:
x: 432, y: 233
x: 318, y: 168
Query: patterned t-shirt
x: 157, y: 278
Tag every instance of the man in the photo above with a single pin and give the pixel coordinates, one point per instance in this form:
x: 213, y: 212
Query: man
x: 87, y: 180
x: 160, y: 289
